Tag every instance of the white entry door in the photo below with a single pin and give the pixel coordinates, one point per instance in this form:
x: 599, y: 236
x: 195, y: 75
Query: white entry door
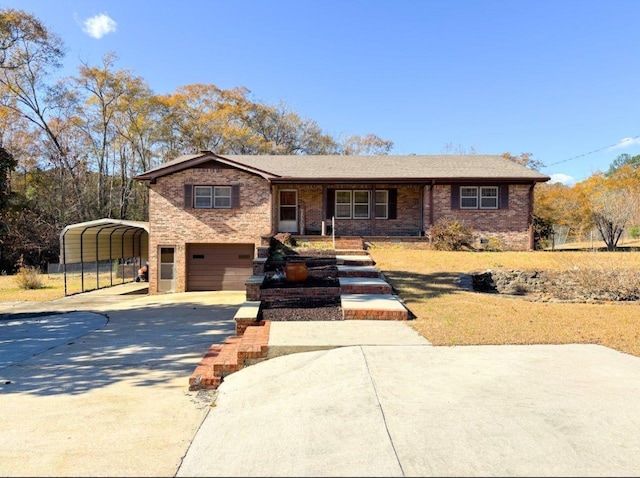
x: 166, y: 269
x: 288, y: 211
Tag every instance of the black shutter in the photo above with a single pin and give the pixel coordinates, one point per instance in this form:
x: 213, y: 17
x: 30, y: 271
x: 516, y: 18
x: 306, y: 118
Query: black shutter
x: 455, y: 196
x: 393, y: 204
x: 504, y: 197
x: 235, y: 196
x: 331, y: 203
x: 188, y: 196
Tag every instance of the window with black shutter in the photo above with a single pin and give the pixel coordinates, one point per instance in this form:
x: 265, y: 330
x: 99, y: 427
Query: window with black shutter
x: 479, y: 197
x: 211, y: 197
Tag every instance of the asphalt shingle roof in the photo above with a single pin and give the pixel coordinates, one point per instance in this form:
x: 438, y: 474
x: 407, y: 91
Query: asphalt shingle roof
x: 391, y: 167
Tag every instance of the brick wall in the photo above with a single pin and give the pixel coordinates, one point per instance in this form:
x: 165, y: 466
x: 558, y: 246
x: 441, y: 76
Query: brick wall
x: 173, y: 225
x: 510, y: 226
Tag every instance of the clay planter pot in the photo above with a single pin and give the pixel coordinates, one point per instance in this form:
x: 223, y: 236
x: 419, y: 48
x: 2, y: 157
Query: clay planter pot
x: 296, y: 271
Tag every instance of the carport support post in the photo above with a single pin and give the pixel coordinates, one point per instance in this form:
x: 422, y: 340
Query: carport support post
x: 82, y: 260
x: 111, y: 257
x: 122, y: 254
x: 98, y: 260
x: 64, y: 263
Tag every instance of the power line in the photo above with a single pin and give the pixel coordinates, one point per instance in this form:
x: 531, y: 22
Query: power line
x: 595, y: 150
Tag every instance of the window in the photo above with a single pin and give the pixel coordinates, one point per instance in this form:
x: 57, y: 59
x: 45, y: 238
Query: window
x: 202, y: 197
x: 222, y: 197
x: 357, y: 203
x: 352, y: 204
x: 483, y: 197
x: 382, y: 204
x: 361, y: 204
x: 489, y: 197
x: 469, y: 198
x: 207, y: 197
x: 343, y: 204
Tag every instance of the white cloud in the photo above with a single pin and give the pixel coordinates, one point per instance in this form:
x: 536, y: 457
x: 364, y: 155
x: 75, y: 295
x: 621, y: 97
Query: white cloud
x: 562, y: 178
x: 99, y: 25
x: 627, y: 142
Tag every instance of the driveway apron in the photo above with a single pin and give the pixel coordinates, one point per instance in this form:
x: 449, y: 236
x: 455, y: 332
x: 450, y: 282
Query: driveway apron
x: 539, y: 410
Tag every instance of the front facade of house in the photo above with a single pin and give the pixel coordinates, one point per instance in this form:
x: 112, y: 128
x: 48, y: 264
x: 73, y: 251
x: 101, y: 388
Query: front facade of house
x: 208, y: 212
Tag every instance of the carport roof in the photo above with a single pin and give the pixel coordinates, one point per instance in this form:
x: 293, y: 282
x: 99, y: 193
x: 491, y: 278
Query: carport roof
x: 103, y: 239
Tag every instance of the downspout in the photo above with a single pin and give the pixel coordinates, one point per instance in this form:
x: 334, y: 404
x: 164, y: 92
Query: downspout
x: 431, y: 213
x: 273, y: 212
x: 323, y: 215
x: 422, y: 229
x: 532, y: 242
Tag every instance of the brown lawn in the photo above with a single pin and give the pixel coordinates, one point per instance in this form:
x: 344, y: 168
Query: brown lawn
x: 53, y: 288
x: 447, y: 315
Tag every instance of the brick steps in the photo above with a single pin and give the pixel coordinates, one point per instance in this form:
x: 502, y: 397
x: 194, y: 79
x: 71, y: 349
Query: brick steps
x: 364, y: 285
x: 354, y: 260
x: 235, y: 353
x: 372, y: 307
x: 358, y: 271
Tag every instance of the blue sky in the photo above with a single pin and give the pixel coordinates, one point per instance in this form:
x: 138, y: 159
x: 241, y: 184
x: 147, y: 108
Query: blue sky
x: 555, y: 78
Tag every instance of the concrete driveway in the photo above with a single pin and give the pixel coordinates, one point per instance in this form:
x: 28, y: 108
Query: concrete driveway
x: 538, y: 410
x: 104, y: 392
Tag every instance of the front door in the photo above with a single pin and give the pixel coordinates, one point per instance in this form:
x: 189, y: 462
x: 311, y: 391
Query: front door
x: 167, y: 269
x: 288, y: 211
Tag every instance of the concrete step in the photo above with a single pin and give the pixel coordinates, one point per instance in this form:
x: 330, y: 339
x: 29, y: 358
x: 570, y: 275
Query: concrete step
x: 351, y: 252
x: 358, y: 271
x: 295, y: 337
x: 354, y: 260
x: 373, y: 307
x: 363, y: 285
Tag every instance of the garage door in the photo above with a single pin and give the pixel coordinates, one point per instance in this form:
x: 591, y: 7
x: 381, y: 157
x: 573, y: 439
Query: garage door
x: 218, y: 266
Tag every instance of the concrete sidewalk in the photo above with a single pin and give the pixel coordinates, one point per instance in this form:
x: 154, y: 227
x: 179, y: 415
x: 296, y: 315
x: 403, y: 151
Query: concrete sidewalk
x: 416, y: 410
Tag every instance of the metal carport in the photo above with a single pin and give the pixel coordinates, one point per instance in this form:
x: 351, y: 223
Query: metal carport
x: 103, y: 240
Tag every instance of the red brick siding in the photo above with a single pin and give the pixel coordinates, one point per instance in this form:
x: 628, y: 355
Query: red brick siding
x: 172, y: 225
x: 510, y: 225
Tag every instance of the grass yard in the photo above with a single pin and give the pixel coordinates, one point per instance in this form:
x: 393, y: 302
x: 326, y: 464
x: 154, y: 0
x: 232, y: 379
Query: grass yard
x: 53, y: 287
x: 447, y: 315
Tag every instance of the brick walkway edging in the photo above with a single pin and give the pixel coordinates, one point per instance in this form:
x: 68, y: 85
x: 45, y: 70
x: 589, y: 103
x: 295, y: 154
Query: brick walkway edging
x: 234, y: 354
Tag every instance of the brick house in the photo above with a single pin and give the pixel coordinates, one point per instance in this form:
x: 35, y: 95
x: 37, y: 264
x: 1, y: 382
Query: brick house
x: 209, y: 212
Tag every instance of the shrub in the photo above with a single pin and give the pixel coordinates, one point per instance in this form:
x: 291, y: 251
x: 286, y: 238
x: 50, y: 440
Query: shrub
x: 634, y: 232
x: 449, y: 234
x: 28, y: 277
x: 492, y: 244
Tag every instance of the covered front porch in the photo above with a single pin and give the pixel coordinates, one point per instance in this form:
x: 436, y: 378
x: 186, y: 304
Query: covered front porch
x: 348, y: 209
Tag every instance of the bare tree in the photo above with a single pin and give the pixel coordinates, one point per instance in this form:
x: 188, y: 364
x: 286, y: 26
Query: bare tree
x: 611, y: 210
x: 367, y: 145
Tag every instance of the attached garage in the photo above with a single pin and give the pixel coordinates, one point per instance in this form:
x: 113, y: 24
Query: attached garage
x: 218, y: 266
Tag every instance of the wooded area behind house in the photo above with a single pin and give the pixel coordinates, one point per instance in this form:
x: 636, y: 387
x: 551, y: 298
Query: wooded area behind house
x: 70, y: 147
